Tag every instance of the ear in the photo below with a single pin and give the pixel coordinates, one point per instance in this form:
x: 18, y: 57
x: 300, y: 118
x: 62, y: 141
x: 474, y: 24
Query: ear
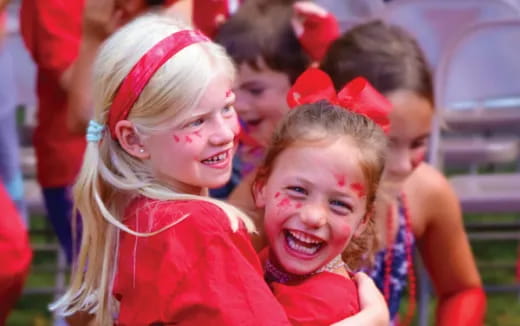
x: 129, y: 140
x: 258, y: 190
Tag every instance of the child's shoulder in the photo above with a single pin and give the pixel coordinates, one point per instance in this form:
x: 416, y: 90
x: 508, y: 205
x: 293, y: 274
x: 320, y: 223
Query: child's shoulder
x: 156, y: 214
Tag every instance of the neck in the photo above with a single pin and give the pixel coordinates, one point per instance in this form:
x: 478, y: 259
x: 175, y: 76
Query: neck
x: 274, y: 273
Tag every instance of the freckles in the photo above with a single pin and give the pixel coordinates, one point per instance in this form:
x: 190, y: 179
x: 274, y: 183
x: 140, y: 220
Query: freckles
x: 358, y: 188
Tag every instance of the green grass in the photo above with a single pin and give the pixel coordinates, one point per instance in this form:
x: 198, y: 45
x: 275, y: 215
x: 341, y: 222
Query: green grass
x: 503, y: 308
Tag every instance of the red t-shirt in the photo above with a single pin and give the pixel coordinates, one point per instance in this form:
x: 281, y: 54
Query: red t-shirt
x: 197, y: 272
x: 318, y: 300
x: 51, y: 30
x: 15, y: 253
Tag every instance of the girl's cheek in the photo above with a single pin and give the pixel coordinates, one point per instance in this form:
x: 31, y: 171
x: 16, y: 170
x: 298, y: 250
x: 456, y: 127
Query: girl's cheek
x: 418, y: 158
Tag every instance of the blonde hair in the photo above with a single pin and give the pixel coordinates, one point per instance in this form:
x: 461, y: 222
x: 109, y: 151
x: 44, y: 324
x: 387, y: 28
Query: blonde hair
x: 110, y: 178
x: 320, y: 121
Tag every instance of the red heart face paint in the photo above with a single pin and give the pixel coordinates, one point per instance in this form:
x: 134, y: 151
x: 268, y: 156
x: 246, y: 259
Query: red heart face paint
x: 359, y: 189
x: 341, y: 179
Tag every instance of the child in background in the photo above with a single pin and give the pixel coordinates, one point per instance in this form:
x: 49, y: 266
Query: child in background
x: 317, y: 188
x: 422, y: 205
x: 155, y: 249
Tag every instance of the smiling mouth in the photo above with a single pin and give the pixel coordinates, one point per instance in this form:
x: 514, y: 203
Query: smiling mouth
x: 303, y: 243
x: 217, y: 158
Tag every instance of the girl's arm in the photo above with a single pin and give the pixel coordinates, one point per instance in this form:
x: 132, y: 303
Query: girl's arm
x: 444, y: 247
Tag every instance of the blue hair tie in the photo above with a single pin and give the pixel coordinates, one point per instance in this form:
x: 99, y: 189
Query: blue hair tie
x: 94, y: 131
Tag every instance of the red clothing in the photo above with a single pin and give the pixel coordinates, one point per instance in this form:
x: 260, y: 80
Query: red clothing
x: 197, y: 272
x: 51, y: 30
x: 15, y: 253
x: 320, y: 300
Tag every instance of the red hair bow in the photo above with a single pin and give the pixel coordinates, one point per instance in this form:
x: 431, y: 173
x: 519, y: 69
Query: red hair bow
x: 357, y: 96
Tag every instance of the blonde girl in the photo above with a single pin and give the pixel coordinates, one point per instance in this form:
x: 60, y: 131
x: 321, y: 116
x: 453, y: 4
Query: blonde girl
x: 155, y: 249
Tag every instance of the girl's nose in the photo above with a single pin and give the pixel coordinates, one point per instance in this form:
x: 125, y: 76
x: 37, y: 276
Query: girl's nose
x: 314, y: 215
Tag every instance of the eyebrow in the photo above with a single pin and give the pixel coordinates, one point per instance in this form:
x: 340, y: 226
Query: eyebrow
x: 334, y: 193
x: 227, y: 101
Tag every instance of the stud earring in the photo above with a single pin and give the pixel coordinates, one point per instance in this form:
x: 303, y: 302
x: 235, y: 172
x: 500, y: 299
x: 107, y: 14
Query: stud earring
x: 141, y: 150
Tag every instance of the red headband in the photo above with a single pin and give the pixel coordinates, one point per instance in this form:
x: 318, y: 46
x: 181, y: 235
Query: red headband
x: 357, y: 96
x: 144, y: 69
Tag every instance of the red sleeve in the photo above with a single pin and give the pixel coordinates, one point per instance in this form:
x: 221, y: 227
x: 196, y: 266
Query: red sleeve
x: 320, y: 300
x: 51, y: 30
x: 196, y: 273
x: 467, y: 307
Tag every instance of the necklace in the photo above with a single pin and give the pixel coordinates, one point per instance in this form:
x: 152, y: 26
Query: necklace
x: 275, y: 274
x: 389, y: 257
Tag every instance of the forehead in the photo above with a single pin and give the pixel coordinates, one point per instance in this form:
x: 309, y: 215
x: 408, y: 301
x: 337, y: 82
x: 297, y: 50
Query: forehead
x: 340, y: 156
x: 261, y: 73
x: 411, y: 114
x: 216, y: 93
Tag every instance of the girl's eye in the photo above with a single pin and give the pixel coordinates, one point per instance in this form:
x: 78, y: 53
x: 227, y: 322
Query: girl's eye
x: 419, y: 143
x: 228, y: 110
x: 195, y: 123
x: 340, y: 207
x: 256, y: 91
x: 297, y: 191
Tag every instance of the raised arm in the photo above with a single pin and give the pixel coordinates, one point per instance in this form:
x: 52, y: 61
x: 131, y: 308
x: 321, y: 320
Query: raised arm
x: 100, y: 19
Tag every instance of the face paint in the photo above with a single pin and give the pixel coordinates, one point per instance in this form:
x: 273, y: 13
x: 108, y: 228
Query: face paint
x: 284, y: 202
x: 177, y: 139
x: 358, y: 188
x: 188, y: 139
x: 197, y: 133
x: 277, y: 195
x: 341, y: 180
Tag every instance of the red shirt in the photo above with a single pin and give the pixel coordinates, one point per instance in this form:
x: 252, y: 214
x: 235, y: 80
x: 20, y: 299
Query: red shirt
x: 51, y: 30
x: 197, y: 272
x: 320, y: 300
x: 15, y: 254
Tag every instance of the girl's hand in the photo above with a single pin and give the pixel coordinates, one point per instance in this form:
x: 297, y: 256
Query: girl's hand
x: 374, y: 311
x: 100, y: 19
x: 315, y: 28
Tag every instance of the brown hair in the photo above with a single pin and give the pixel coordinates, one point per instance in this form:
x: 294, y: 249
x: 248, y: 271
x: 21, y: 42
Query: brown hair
x: 320, y: 121
x: 262, y: 30
x: 386, y: 55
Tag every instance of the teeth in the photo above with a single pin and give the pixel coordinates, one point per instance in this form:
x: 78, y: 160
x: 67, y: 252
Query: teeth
x: 304, y: 238
x: 297, y: 247
x: 216, y: 158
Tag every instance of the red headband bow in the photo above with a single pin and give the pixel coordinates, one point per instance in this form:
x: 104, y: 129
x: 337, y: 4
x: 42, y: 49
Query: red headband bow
x: 357, y: 96
x: 141, y: 73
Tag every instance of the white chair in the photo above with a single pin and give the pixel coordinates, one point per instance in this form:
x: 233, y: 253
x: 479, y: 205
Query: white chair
x: 352, y: 12
x: 477, y: 87
x: 434, y: 23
